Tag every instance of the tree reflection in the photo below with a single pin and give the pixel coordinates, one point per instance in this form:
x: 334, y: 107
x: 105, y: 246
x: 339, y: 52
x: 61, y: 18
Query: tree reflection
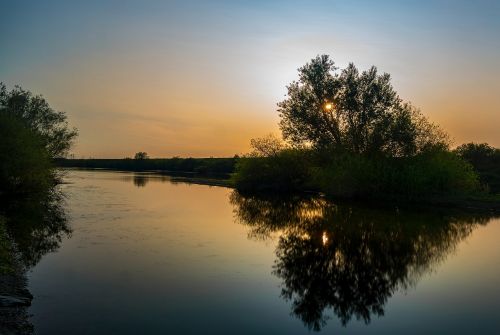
x: 140, y: 180
x: 37, y: 224
x: 345, y: 258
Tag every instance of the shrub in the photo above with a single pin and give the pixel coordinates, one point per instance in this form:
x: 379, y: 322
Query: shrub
x: 485, y: 160
x: 286, y: 171
x: 433, y: 173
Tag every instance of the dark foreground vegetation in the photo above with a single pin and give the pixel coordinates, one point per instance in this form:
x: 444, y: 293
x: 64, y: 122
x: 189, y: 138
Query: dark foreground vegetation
x: 486, y: 162
x: 341, y: 174
x: 192, y: 166
x: 348, y: 134
x: 34, y: 225
x: 32, y: 136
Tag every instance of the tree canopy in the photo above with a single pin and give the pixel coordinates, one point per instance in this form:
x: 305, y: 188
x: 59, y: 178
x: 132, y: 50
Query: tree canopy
x: 358, y: 112
x: 32, y: 134
x: 37, y: 115
x: 486, y: 160
x: 141, y: 155
x: 266, y: 146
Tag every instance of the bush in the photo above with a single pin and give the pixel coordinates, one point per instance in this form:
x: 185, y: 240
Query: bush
x: 486, y: 160
x: 286, y: 171
x: 25, y: 165
x: 433, y: 173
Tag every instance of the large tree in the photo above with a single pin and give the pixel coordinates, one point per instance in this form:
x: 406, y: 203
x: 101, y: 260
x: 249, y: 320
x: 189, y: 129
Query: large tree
x: 32, y: 134
x: 358, y: 112
x: 37, y: 115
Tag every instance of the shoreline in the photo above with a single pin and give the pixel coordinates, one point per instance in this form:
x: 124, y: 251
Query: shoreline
x: 491, y: 203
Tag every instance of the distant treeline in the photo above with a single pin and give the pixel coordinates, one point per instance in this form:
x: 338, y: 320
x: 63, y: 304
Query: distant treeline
x: 484, y: 159
x: 199, y: 166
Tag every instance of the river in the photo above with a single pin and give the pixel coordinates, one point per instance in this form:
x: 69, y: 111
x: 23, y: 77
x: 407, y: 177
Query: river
x: 144, y: 254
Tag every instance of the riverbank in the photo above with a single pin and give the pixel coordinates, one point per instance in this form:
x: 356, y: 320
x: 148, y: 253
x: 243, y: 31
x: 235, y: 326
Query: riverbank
x: 192, y: 166
x: 14, y: 295
x: 484, y: 203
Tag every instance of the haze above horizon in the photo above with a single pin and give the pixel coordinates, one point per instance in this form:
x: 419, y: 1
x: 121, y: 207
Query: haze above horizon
x: 199, y: 78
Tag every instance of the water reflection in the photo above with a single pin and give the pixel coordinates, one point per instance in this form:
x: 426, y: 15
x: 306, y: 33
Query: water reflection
x: 37, y: 224
x: 140, y: 180
x: 346, y: 259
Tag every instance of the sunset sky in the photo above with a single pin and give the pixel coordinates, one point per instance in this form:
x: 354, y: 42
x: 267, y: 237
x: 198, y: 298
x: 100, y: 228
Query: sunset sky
x: 201, y: 78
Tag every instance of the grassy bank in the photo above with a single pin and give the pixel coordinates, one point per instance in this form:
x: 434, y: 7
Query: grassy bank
x: 195, y: 166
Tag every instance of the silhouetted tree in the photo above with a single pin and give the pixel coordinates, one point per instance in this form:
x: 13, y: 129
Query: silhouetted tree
x: 357, y: 112
x: 266, y: 146
x: 141, y: 155
x: 37, y: 115
x: 477, y: 153
x: 32, y: 134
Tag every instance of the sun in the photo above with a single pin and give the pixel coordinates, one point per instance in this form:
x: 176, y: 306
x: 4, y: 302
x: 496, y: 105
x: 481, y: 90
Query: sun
x: 328, y: 106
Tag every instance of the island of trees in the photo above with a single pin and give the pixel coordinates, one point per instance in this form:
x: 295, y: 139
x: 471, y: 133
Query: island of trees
x: 348, y: 134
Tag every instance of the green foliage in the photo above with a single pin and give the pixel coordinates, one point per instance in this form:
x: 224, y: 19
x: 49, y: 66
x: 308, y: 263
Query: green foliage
x: 285, y: 171
x: 352, y: 136
x: 430, y: 174
x: 486, y: 160
x: 25, y: 165
x: 352, y: 111
x: 272, y: 166
x: 36, y: 114
x: 31, y: 135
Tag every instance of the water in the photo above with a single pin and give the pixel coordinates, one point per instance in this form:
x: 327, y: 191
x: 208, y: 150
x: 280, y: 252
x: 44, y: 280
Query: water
x: 141, y: 254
